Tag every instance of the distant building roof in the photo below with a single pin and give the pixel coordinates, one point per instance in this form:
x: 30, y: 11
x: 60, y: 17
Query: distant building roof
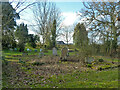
x: 60, y: 42
x: 70, y: 43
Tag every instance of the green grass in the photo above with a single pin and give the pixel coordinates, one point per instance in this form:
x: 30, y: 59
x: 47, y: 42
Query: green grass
x: 10, y: 53
x: 108, y: 58
x: 90, y: 79
x: 77, y: 79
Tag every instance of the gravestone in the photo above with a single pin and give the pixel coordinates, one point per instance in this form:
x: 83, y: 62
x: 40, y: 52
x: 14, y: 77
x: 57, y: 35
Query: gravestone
x: 30, y: 50
x: 54, y: 51
x: 64, y: 53
x: 41, y: 53
x: 89, y: 60
x: 9, y: 45
x: 11, y: 49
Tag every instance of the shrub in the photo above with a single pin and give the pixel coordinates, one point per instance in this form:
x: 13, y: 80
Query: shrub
x: 89, y: 65
x: 100, y: 68
x: 104, y: 67
x: 76, y: 50
x: 38, y: 63
x: 84, y: 52
x: 101, y: 60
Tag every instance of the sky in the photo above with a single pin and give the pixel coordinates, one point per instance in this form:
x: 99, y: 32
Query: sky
x: 69, y: 6
x: 68, y: 10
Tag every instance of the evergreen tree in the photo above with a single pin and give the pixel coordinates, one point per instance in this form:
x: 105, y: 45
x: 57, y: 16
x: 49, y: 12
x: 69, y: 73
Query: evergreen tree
x: 9, y: 17
x: 80, y: 35
x: 32, y: 40
x: 21, y: 35
x: 54, y: 34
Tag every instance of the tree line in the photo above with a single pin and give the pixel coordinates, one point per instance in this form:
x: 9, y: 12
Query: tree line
x: 14, y: 35
x: 100, y: 18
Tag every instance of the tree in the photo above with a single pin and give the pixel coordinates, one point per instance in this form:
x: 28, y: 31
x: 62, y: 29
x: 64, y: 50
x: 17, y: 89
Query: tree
x: 32, y: 39
x: 67, y: 33
x: 53, y: 31
x: 10, y: 12
x: 21, y: 35
x: 8, y: 29
x: 44, y: 14
x: 19, y: 6
x: 80, y: 36
x: 101, y: 19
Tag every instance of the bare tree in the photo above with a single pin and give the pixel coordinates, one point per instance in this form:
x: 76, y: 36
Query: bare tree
x: 44, y: 15
x: 101, y: 19
x: 67, y: 33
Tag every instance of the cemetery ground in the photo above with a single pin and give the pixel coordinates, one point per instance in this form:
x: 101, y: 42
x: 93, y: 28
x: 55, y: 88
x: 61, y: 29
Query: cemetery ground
x: 50, y: 72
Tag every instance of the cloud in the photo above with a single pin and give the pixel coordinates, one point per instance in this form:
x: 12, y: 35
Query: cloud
x: 69, y: 18
x: 19, y: 21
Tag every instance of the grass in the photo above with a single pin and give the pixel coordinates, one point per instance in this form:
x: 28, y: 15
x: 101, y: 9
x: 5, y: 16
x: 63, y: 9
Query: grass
x: 90, y: 79
x: 107, y: 58
x: 55, y: 75
x: 77, y: 79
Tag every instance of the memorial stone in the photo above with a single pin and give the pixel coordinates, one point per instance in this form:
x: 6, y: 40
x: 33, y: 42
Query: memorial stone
x: 64, y: 53
x: 54, y: 51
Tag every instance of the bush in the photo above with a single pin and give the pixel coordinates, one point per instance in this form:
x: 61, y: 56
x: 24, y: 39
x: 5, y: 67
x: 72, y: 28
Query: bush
x: 85, y: 52
x: 21, y: 46
x: 104, y: 67
x: 38, y: 63
x: 100, y: 68
x: 89, y: 65
x: 76, y: 50
x: 101, y: 60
